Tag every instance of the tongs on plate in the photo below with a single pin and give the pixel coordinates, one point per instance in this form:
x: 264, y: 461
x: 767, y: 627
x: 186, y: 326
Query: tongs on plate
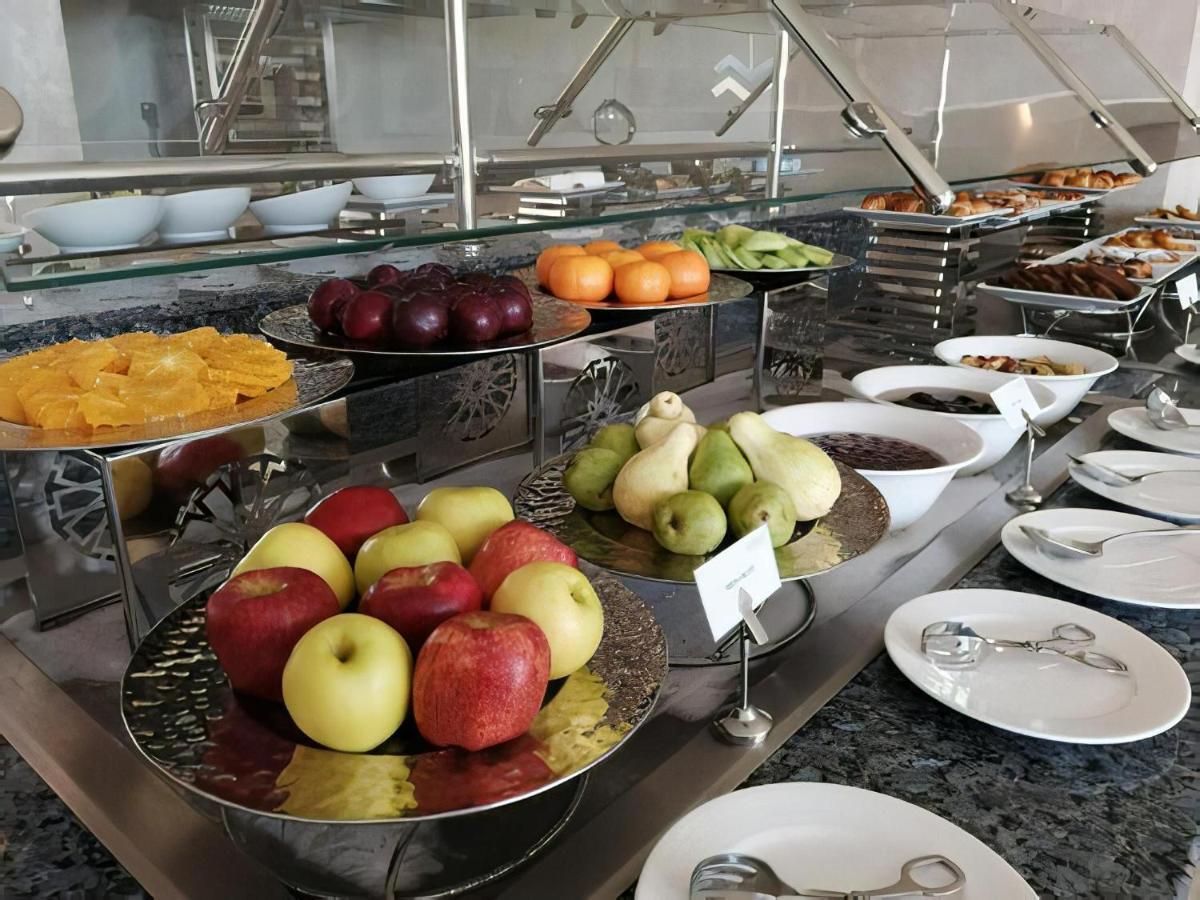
x: 956, y: 645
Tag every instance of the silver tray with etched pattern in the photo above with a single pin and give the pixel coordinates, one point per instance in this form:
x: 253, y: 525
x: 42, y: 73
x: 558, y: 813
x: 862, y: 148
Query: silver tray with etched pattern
x: 246, y: 753
x: 313, y: 379
x: 856, y: 523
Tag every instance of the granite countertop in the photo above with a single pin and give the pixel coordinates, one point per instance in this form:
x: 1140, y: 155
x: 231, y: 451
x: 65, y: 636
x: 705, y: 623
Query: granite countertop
x: 1076, y: 821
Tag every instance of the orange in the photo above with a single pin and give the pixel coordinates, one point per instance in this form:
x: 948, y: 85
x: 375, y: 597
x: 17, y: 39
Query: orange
x: 581, y: 278
x: 547, y: 257
x: 689, y: 273
x: 644, y: 282
x: 655, y: 249
x: 618, y: 258
x: 599, y: 248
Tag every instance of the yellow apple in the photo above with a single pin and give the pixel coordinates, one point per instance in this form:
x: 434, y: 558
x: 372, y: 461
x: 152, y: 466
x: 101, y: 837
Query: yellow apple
x: 347, y: 682
x: 414, y: 544
x: 468, y: 513
x: 133, y: 486
x: 563, y: 603
x: 304, y: 547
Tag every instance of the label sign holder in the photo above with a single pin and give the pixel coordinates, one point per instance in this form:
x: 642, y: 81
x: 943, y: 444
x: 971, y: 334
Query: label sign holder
x: 745, y: 574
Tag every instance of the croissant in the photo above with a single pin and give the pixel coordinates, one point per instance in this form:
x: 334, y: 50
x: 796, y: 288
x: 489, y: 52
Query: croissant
x: 907, y: 204
x: 1054, y: 179
x: 959, y: 209
x: 1184, y: 213
x: 1127, y: 178
x: 981, y: 206
x: 1083, y: 180
x: 1103, y: 180
x: 874, y: 201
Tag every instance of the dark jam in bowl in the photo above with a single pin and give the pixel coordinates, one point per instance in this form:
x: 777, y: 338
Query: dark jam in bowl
x: 875, y: 452
x: 958, y: 404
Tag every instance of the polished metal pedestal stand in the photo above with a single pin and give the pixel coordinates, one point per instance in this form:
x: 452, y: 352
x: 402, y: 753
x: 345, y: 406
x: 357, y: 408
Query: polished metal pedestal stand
x: 745, y: 725
x: 1027, y: 496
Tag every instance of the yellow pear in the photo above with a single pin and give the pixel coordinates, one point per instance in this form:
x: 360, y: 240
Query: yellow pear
x: 798, y: 466
x: 653, y: 474
x: 669, y: 405
x: 652, y: 429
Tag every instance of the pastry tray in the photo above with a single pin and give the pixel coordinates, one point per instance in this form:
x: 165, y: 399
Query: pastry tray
x: 1044, y: 300
x: 1162, y: 271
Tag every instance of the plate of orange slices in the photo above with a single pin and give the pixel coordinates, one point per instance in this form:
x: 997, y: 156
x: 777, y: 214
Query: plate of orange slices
x: 140, y: 387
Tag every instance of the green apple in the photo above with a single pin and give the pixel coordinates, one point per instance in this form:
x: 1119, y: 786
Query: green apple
x: 468, y: 513
x: 413, y: 544
x: 304, y: 547
x: 347, y: 682
x: 563, y: 603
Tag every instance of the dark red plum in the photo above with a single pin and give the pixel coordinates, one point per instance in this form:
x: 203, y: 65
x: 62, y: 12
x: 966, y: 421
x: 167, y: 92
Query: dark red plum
x: 420, y: 322
x: 516, y: 311
x: 479, y: 280
x: 385, y: 274
x: 326, y: 302
x: 437, y: 269
x: 512, y: 281
x: 368, y: 317
x: 476, y: 319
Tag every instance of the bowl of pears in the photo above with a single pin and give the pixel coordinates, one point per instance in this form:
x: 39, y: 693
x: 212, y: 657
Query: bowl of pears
x: 657, y: 497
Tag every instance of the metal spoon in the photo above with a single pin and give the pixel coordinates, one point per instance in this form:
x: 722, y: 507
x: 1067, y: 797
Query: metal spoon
x: 737, y: 876
x: 1067, y: 547
x: 1163, y: 413
x: 1119, y: 479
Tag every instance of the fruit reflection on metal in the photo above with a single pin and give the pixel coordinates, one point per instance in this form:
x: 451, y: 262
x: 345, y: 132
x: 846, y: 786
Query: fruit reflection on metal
x: 75, y: 506
x: 481, y: 396
x: 605, y: 391
x: 681, y: 341
x: 183, y: 716
x: 856, y: 523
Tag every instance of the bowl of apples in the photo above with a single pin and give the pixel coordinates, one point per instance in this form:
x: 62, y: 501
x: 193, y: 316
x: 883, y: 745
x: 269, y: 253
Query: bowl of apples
x: 362, y: 665
x: 658, y: 497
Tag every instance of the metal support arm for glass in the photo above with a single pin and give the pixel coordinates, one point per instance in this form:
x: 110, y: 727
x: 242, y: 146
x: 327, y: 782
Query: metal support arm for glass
x: 1139, y: 158
x: 864, y: 113
x: 460, y: 113
x: 1153, y: 74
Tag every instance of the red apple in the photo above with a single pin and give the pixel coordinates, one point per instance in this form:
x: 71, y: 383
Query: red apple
x: 352, y: 514
x: 420, y: 321
x: 385, y: 274
x: 327, y: 300
x: 475, y: 319
x: 516, y: 311
x: 415, y: 600
x: 255, y: 619
x: 480, y: 680
x: 511, y: 546
x: 368, y: 316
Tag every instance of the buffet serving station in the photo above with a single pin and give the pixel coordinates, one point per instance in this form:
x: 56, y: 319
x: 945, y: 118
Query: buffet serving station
x: 921, y: 208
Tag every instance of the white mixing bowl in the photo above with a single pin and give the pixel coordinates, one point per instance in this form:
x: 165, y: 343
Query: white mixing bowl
x: 302, y: 211
x: 909, y: 492
x: 202, y: 215
x: 1068, y: 389
x: 113, y: 223
x: 893, y: 383
x: 393, y: 187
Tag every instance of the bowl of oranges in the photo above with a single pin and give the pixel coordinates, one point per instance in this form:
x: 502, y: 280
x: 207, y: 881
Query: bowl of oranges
x: 603, y: 275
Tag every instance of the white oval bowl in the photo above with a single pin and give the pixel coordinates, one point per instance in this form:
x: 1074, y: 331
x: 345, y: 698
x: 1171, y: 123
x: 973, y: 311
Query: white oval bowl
x: 202, y: 215
x: 909, y: 492
x: 890, y: 383
x: 302, y: 211
x: 393, y: 187
x: 11, y: 236
x: 112, y: 223
x: 1068, y: 389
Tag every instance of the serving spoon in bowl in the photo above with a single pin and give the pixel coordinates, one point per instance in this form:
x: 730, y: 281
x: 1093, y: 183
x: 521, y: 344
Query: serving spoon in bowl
x: 1068, y: 547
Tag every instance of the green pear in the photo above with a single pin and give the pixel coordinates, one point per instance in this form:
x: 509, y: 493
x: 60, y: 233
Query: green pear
x: 798, y: 466
x: 619, y: 438
x: 718, y: 467
x: 590, y: 476
x: 654, y: 474
x: 652, y: 429
x: 691, y: 522
x: 759, y: 503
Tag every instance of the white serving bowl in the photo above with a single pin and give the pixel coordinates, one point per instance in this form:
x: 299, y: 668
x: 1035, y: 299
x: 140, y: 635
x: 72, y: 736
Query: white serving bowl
x: 113, y: 223
x: 909, y: 492
x: 11, y: 236
x: 302, y: 211
x: 393, y: 187
x: 892, y: 383
x: 202, y: 215
x: 1068, y: 389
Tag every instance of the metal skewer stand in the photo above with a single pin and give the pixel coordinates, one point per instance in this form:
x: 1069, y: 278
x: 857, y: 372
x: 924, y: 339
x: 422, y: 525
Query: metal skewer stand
x: 745, y: 725
x: 1027, y: 495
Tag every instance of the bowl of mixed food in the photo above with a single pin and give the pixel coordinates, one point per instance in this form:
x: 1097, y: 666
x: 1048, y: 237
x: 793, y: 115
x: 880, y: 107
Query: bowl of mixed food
x: 1068, y: 370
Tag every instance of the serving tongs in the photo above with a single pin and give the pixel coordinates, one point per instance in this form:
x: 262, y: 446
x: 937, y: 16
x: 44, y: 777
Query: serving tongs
x: 737, y: 876
x: 956, y: 645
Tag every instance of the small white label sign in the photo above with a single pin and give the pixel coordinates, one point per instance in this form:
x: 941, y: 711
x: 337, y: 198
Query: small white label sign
x: 1188, y: 294
x: 747, y: 565
x: 1013, y: 397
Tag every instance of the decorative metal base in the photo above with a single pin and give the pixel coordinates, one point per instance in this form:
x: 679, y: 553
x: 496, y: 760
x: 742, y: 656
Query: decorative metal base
x: 743, y: 727
x: 428, y: 860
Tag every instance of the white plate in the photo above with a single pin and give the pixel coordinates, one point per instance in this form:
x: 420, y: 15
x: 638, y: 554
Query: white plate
x: 1133, y: 422
x: 1174, y: 495
x: 1190, y: 352
x: 1047, y: 300
x: 822, y: 836
x: 1160, y: 271
x: 1148, y: 571
x: 918, y: 218
x: 1041, y: 695
x: 1173, y: 220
